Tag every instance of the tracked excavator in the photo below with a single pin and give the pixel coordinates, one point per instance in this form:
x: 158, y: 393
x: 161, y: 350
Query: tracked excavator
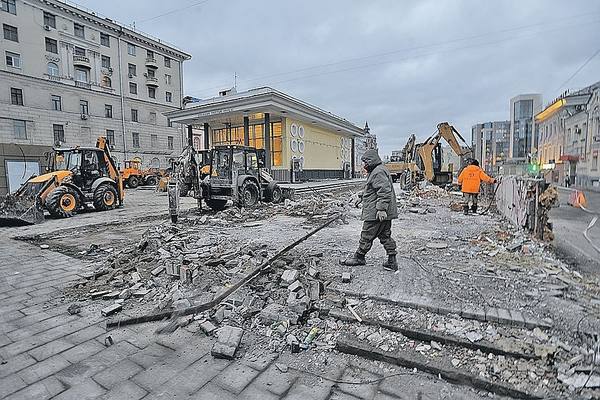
x: 76, y: 179
x: 424, y: 160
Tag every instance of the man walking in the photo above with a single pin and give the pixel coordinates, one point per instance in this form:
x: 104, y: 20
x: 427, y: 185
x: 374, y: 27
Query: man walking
x: 378, y: 210
x: 470, y: 179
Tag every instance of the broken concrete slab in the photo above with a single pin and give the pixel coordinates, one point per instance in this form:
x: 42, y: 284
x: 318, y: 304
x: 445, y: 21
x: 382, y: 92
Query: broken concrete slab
x: 289, y: 276
x: 295, y: 286
x: 228, y: 340
x: 346, y: 277
x: 207, y: 327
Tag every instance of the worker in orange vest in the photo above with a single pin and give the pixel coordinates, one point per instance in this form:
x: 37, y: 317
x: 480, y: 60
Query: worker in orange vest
x: 470, y: 179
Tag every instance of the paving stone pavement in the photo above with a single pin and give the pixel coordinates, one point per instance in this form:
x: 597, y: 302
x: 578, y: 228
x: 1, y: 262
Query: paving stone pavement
x: 47, y: 353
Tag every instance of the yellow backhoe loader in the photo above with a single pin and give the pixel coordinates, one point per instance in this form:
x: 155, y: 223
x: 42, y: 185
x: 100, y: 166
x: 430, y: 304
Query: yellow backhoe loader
x: 77, y: 178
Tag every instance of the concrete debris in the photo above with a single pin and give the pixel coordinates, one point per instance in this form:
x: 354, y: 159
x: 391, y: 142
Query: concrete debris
x: 111, y: 309
x: 437, y: 245
x: 207, y: 327
x: 228, y: 341
x: 346, y: 277
x: 283, y: 368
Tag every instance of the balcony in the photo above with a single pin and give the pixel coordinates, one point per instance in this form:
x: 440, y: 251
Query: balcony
x: 151, y: 63
x: 152, y: 81
x: 81, y: 61
x: 84, y: 85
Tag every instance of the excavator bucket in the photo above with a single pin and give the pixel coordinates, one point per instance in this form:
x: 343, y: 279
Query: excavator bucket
x: 18, y: 210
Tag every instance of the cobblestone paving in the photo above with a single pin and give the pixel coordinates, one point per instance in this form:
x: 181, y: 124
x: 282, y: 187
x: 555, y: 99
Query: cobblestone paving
x: 47, y: 353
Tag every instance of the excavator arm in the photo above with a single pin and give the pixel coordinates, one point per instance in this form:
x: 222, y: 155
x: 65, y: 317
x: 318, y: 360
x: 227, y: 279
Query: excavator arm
x: 450, y: 134
x: 113, y: 171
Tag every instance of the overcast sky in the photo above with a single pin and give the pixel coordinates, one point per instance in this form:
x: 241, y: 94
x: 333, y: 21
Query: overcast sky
x: 403, y: 66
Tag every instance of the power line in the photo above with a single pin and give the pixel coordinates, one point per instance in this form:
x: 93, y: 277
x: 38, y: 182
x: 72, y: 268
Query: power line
x: 408, y: 57
x: 174, y: 11
x: 582, y: 66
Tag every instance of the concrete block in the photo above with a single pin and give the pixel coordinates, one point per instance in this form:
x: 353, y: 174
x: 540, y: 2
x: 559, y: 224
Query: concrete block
x: 346, y: 277
x: 111, y: 309
x: 491, y: 314
x: 295, y: 286
x: 517, y: 318
x: 228, y: 340
x: 156, y: 271
x: 312, y: 271
x: 96, y: 295
x: 504, y: 316
x: 289, y: 276
x: 112, y: 295
x: 207, y: 327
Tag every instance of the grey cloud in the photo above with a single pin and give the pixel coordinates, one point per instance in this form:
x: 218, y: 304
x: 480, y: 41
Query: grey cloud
x: 462, y: 82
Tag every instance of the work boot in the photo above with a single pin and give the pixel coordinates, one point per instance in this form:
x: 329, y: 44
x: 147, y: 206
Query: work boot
x: 391, y: 264
x: 356, y: 259
x: 466, y: 210
x: 474, y: 209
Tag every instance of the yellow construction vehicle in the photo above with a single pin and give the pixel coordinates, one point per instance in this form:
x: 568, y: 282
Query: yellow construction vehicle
x: 134, y: 176
x: 424, y: 160
x: 77, y: 178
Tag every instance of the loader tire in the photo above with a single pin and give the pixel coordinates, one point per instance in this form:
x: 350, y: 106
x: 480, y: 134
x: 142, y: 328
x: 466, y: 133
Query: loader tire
x: 249, y: 195
x: 274, y: 194
x: 105, y: 197
x: 151, y: 181
x: 62, y: 202
x: 133, y: 182
x: 216, y: 205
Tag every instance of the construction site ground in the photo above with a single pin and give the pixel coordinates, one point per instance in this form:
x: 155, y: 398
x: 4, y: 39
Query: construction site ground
x: 512, y: 319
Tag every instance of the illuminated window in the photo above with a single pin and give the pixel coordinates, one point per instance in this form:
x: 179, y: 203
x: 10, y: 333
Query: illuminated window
x: 235, y: 135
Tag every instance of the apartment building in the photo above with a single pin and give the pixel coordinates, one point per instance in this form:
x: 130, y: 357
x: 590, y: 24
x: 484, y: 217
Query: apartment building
x: 491, y: 144
x: 569, y: 138
x: 69, y: 75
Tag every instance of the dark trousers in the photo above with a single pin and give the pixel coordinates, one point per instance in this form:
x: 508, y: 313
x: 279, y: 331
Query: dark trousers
x: 376, y: 229
x: 470, y: 197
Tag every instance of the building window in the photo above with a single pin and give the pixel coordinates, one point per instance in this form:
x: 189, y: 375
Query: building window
x: 170, y: 142
x: 154, y: 140
x: 20, y: 129
x: 595, y: 163
x: 131, y: 49
x: 79, y: 51
x: 79, y: 30
x: 9, y: 6
x: 132, y: 88
x: 10, y: 33
x: 150, y: 73
x: 152, y: 117
x: 136, y: 139
x: 105, y: 39
x: 235, y: 135
x: 51, y: 46
x: 167, y: 79
x: 106, y: 82
x: 49, y: 19
x: 132, y: 70
x: 59, y: 134
x: 13, y: 60
x: 167, y: 62
x: 53, y: 69
x: 84, y: 107
x: 16, y: 96
x: 108, y: 111
x: 152, y: 93
x: 110, y: 136
x: 106, y: 61
x: 150, y: 54
x: 168, y: 97
x: 81, y: 75
x: 56, y: 103
x: 134, y: 115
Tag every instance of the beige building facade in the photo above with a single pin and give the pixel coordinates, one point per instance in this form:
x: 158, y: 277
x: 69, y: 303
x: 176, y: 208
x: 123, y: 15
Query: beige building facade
x: 303, y: 142
x: 68, y: 75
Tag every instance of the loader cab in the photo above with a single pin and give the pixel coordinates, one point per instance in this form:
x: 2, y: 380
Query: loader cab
x: 86, y: 164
